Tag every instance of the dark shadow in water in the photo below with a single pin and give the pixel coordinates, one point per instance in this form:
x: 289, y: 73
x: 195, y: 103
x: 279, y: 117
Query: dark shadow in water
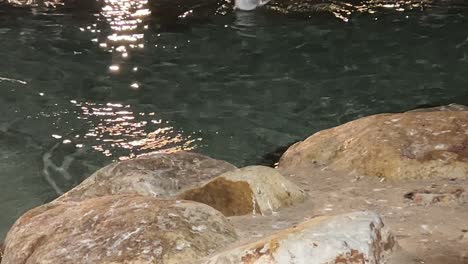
x: 272, y: 158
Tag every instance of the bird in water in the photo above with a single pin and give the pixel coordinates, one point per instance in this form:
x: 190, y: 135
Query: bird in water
x: 248, y: 5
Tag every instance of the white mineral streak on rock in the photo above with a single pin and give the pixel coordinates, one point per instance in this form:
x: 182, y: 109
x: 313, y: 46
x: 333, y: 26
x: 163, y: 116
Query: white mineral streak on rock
x: 124, y: 237
x: 358, y: 237
x: 441, y: 147
x: 199, y: 228
x: 254, y: 206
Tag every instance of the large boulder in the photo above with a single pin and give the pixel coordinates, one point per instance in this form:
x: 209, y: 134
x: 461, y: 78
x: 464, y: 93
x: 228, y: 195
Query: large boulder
x: 411, y: 145
x: 154, y: 174
x: 117, y: 229
x: 250, y: 190
x: 358, y: 237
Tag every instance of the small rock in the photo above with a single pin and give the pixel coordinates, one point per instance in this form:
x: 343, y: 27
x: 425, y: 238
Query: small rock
x: 463, y: 238
x: 117, y: 229
x: 250, y: 190
x: 358, y: 237
x: 154, y: 174
x: 426, y: 230
x: 436, y: 195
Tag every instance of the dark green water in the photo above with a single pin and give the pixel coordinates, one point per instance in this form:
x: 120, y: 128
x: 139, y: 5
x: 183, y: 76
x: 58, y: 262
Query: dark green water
x: 78, y: 91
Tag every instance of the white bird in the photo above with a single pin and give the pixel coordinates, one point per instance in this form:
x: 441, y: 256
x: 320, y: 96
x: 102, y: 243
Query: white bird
x: 248, y: 5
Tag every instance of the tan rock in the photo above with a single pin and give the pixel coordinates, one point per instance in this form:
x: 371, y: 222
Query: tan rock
x: 408, y: 145
x: 250, y: 190
x: 117, y: 229
x: 155, y: 174
x: 358, y: 237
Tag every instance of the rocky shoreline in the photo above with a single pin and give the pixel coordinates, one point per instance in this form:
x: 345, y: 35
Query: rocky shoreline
x: 388, y: 188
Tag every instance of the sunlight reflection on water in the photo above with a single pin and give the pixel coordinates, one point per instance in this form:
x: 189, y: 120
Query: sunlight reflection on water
x: 115, y: 129
x: 118, y: 127
x: 120, y: 28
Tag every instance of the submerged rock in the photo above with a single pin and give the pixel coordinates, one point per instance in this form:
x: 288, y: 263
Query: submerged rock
x: 309, y: 7
x: 250, y: 190
x: 154, y: 174
x: 358, y: 237
x: 117, y: 229
x: 409, y: 145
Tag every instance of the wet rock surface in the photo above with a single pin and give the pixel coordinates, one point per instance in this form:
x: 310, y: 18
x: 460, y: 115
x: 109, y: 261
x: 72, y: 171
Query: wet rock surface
x: 249, y: 190
x: 156, y: 175
x: 411, y: 145
x: 117, y: 229
x: 358, y: 237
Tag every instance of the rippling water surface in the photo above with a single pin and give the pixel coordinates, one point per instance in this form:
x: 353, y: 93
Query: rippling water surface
x: 79, y: 90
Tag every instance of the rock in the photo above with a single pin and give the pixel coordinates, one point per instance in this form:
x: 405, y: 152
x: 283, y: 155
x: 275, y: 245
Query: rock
x: 307, y: 8
x: 407, y: 145
x: 1, y: 251
x: 250, y: 190
x: 436, y: 195
x: 358, y: 237
x: 345, y: 9
x: 155, y: 174
x: 117, y: 229
x: 450, y: 107
x: 463, y: 237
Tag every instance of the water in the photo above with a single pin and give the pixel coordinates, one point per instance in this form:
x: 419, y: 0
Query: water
x: 78, y: 91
